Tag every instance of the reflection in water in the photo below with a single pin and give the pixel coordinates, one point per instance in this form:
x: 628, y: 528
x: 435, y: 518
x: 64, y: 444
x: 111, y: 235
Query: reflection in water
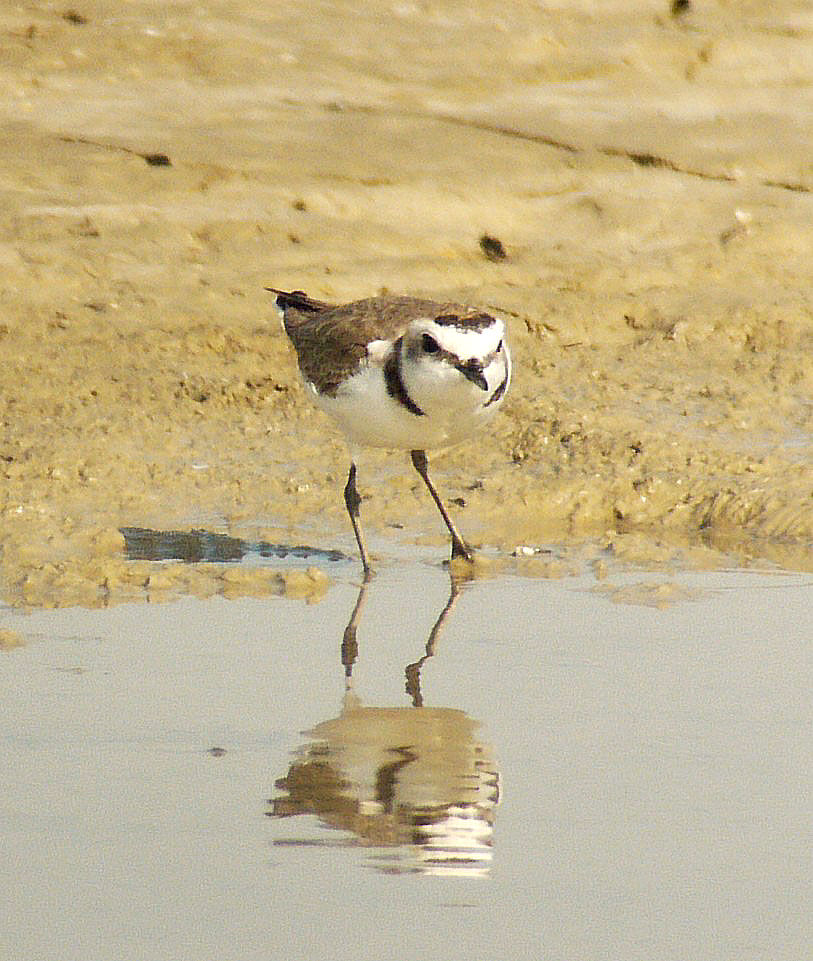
x: 414, y: 782
x: 143, y: 544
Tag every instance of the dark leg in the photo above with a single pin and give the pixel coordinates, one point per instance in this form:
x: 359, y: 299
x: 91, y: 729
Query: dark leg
x: 353, y: 502
x: 413, y: 671
x: 350, y: 648
x: 421, y: 464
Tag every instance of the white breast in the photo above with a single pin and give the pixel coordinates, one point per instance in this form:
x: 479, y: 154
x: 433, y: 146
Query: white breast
x: 454, y: 408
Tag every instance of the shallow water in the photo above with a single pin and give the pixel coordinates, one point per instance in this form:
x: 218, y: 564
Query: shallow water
x: 614, y: 769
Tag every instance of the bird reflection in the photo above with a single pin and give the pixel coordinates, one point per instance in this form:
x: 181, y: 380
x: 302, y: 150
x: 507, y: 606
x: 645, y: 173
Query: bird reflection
x: 413, y: 782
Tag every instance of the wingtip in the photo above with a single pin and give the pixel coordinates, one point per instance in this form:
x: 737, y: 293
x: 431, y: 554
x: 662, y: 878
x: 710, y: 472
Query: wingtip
x: 284, y: 298
x: 296, y: 299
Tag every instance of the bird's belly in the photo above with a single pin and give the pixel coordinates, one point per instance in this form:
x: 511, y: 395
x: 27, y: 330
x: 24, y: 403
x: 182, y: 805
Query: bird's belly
x: 370, y: 417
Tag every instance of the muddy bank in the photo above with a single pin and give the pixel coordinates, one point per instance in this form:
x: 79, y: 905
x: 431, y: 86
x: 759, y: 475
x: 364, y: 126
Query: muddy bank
x: 648, y: 177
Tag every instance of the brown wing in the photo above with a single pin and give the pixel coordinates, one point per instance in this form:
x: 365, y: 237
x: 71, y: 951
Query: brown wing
x: 328, y: 352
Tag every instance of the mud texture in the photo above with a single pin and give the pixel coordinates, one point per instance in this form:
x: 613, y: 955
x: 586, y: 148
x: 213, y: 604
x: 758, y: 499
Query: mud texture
x: 631, y: 188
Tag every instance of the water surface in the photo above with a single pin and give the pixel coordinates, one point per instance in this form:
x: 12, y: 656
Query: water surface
x: 589, y: 775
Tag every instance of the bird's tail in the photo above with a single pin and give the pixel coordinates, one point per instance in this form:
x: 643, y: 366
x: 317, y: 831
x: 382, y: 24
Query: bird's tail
x: 298, y: 300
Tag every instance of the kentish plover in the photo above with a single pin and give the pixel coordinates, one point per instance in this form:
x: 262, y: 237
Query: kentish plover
x: 401, y: 373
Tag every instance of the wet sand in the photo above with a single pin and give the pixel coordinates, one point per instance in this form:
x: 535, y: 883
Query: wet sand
x: 648, y: 177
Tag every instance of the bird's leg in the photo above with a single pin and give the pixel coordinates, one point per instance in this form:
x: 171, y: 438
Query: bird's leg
x: 353, y: 502
x: 421, y: 464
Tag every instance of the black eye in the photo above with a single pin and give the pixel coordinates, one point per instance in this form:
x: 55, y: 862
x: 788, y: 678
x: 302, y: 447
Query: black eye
x: 429, y: 344
x: 499, y: 347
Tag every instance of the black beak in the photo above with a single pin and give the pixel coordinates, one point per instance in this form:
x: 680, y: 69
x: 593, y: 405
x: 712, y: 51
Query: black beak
x: 473, y: 370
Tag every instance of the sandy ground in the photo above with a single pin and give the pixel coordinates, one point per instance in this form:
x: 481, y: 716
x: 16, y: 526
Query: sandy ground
x: 648, y: 175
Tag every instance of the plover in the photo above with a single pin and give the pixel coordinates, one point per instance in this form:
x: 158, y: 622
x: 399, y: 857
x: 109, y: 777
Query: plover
x: 400, y: 373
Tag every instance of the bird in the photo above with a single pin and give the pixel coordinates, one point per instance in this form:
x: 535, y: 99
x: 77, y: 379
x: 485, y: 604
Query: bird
x: 401, y: 373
